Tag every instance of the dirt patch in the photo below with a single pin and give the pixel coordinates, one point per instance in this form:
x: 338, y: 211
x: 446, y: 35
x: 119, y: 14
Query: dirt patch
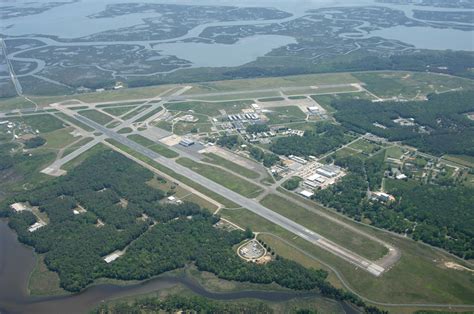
x: 456, y: 266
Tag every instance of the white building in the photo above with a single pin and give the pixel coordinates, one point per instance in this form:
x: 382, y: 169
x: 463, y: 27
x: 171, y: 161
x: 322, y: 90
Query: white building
x: 306, y: 193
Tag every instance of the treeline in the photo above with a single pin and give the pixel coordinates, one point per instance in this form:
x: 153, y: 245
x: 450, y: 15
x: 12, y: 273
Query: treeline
x: 268, y: 159
x: 176, y: 303
x: 438, y: 215
x: 441, y: 125
x: 257, y: 128
x: 156, y: 237
x: 322, y: 139
x: 34, y: 142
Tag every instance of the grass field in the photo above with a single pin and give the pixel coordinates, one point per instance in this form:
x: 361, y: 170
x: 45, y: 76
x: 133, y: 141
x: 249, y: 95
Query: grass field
x: 230, y: 181
x: 464, y: 160
x: 418, y: 277
x: 165, y: 125
x: 44, y: 282
x: 59, y: 138
x: 177, y: 176
x: 365, y: 146
x: 273, y: 82
x: 355, y: 242
x: 125, y: 130
x: 285, y: 114
x: 113, y: 124
x: 94, y: 97
x: 232, y: 166
x: 323, y: 90
x: 73, y: 121
x: 79, y: 144
x: 410, y: 84
x: 183, y: 128
x: 15, y: 103
x: 326, y: 100
x: 118, y: 111
x: 271, y: 99
x: 148, y: 115
x: 96, y: 116
x: 156, y: 147
x: 394, y: 152
x: 42, y: 122
x: 133, y: 113
x: 297, y: 97
x: 209, y: 108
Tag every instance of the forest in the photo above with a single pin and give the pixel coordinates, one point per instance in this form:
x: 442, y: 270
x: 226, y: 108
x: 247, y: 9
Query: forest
x: 439, y: 126
x: 322, y: 139
x: 442, y: 216
x: 119, y: 211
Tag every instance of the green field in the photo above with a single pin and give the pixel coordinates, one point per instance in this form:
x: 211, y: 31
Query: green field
x: 273, y: 82
x: 418, y: 277
x: 133, y: 113
x: 410, y: 84
x: 77, y: 145
x: 58, y: 139
x: 96, y: 116
x: 271, y: 99
x: 73, y: 121
x: 326, y: 100
x: 464, y: 160
x: 365, y: 146
x: 156, y: 147
x: 285, y: 114
x: 334, y: 232
x: 175, y: 175
x: 148, y: 115
x: 118, y: 111
x: 230, y: 181
x: 232, y: 166
x: 44, y: 282
x: 42, y: 122
x: 183, y: 128
x: 210, y: 109
x: 125, y: 130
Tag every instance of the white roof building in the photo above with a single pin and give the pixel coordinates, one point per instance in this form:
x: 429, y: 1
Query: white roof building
x: 306, y: 193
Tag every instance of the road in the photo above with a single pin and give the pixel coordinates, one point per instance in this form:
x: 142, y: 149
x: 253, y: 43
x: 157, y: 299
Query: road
x: 249, y: 204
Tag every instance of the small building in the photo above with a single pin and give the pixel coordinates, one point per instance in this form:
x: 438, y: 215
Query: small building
x: 382, y: 197
x: 186, y: 142
x: 328, y: 171
x: 18, y: 207
x: 36, y: 226
x: 298, y: 159
x: 401, y: 176
x: 314, y: 110
x: 306, y: 193
x: 311, y: 184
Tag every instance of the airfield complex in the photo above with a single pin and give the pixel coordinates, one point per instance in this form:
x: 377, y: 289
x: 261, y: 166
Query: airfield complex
x: 187, y: 132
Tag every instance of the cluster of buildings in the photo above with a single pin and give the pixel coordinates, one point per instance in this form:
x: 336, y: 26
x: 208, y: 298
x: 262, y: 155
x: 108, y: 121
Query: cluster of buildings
x: 322, y: 177
x: 17, y: 128
x: 243, y: 117
x: 19, y: 207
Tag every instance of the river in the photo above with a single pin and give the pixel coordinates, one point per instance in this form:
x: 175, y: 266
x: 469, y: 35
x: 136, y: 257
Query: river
x: 17, y: 261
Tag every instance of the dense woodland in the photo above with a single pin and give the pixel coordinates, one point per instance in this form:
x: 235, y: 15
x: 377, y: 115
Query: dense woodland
x: 268, y: 159
x: 34, y: 142
x: 157, y: 237
x: 176, y: 303
x: 322, y: 139
x: 441, y: 124
x: 442, y: 216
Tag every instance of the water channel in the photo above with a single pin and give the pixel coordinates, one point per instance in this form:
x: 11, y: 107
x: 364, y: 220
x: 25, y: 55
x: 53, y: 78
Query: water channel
x: 17, y: 261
